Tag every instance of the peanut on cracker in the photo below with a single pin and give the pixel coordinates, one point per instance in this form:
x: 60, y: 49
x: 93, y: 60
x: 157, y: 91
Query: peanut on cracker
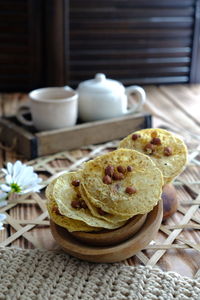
x: 166, y: 150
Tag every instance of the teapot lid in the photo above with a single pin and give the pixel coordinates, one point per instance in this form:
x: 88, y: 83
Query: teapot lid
x: 100, y: 84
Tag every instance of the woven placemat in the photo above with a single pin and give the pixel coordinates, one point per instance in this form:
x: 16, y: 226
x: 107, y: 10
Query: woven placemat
x: 38, y: 274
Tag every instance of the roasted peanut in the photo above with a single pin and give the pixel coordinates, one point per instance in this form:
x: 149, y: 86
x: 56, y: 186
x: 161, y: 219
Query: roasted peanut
x: 101, y: 211
x: 167, y: 151
x: 109, y: 170
x: 130, y: 190
x: 135, y: 136
x: 76, y: 204
x: 156, y: 141
x: 76, y: 182
x: 56, y: 210
x: 129, y: 168
x: 149, y: 148
x: 107, y: 179
x: 83, y: 204
x: 121, y: 169
x: 118, y: 176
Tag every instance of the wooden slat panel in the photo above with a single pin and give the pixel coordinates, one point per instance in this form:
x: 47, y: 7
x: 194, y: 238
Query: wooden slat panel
x: 115, y: 64
x: 13, y: 39
x: 13, y: 70
x: 77, y: 12
x: 130, y: 23
x: 119, y: 33
x: 195, y: 65
x: 131, y: 39
x: 137, y: 72
x: 16, y: 28
x: 127, y: 3
x: 178, y: 53
x: 146, y: 80
x: 13, y: 59
x: 115, y: 45
x: 17, y: 49
x: 20, y: 44
x: 13, y: 6
x: 14, y: 51
x: 153, y: 80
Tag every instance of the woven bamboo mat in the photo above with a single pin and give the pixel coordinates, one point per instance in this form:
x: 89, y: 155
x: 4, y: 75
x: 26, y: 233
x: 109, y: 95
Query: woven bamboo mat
x: 177, y: 240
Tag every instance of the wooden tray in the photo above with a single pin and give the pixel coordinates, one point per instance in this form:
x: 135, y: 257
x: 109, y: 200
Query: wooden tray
x: 31, y: 143
x: 108, y: 254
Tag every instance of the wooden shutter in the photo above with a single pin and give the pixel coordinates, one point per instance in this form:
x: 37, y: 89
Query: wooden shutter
x: 134, y: 41
x: 51, y: 42
x: 20, y: 45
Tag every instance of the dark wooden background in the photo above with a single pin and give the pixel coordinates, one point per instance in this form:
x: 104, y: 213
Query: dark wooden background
x: 49, y: 42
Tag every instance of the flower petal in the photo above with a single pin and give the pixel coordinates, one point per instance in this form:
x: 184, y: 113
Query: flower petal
x: 5, y: 188
x: 31, y: 189
x: 20, y: 173
x: 9, y: 179
x: 33, y: 181
x: 4, y: 171
x: 2, y: 217
x: 3, y: 195
x: 10, y: 168
x: 1, y: 226
x: 25, y: 176
x: 17, y: 168
x: 3, y: 203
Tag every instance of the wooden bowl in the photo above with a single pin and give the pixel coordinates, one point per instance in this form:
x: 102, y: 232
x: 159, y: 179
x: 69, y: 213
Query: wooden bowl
x: 108, y: 254
x: 111, y: 237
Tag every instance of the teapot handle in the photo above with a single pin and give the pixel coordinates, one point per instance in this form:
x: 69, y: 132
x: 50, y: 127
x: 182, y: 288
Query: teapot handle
x: 135, y: 89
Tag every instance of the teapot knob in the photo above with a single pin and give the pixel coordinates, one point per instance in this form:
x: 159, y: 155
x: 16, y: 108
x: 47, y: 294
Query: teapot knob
x: 100, y: 77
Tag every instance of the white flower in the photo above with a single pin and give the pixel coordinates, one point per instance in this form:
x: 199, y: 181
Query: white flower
x: 2, y: 218
x: 20, y: 179
x: 3, y: 196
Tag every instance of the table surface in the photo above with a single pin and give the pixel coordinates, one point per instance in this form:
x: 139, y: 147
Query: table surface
x: 177, y: 244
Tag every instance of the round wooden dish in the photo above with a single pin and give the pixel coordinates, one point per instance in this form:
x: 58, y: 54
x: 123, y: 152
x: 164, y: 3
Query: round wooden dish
x: 111, y: 237
x: 108, y: 254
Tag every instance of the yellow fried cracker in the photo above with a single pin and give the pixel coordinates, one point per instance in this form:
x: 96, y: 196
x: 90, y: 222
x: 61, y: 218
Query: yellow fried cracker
x: 97, y: 212
x: 136, y: 192
x: 167, y: 151
x: 65, y: 193
x: 63, y: 221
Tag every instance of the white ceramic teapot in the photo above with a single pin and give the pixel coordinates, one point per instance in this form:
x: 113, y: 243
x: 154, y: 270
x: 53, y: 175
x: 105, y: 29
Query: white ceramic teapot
x: 101, y: 98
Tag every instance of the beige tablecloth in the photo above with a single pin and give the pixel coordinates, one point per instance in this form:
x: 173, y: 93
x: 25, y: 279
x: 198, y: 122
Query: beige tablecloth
x: 42, y: 275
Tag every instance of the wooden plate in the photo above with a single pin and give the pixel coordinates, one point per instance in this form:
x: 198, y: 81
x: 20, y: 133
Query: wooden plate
x: 115, y: 253
x: 111, y: 237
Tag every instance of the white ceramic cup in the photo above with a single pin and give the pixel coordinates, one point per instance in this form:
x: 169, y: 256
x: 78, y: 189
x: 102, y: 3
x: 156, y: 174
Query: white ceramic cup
x: 50, y: 108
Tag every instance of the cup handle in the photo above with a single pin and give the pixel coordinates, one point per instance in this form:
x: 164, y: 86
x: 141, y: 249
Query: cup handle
x: 142, y: 97
x: 22, y: 110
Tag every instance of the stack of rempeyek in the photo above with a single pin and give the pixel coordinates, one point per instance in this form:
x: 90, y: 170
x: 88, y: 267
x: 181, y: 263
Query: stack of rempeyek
x: 112, y: 188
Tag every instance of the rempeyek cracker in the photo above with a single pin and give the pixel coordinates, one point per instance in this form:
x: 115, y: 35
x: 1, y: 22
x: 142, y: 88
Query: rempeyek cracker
x: 61, y: 220
x: 98, y: 212
x: 66, y: 192
x: 123, y: 182
x: 167, y: 151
